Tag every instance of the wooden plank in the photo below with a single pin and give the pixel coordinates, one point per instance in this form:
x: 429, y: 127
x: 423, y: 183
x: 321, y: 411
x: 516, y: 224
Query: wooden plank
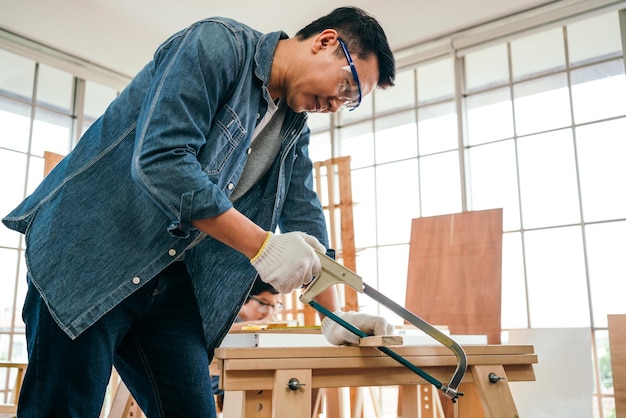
x: 363, y: 352
x: 455, y: 272
x: 617, y: 340
x: 50, y: 160
x: 331, y: 378
x: 348, y: 247
x: 380, y: 341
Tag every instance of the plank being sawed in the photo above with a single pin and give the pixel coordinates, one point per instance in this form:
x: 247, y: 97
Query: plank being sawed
x: 347, y: 351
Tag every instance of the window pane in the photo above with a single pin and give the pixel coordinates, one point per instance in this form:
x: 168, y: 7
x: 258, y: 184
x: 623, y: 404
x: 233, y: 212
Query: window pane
x: 364, y: 210
x: 393, y: 262
x: 440, y: 184
x: 98, y: 98
x: 538, y: 54
x: 367, y: 268
x: 486, y: 68
x: 319, y: 147
x: 17, y: 76
x: 489, y: 116
x: 604, y: 366
x: 606, y: 246
x: 601, y: 151
x: 542, y: 104
x: 8, y: 261
x: 548, y: 179
x: 363, y: 112
x: 396, y: 137
x: 596, y: 37
x: 19, y: 327
x: 435, y: 81
x: 318, y: 121
x: 514, y: 312
x: 358, y: 142
x: 35, y: 173
x: 493, y: 181
x: 14, y: 125
x: 402, y: 95
x: 12, y: 166
x: 51, y: 132
x: 397, y: 197
x: 437, y: 128
x: 557, y: 289
x: 598, y: 91
x: 54, y: 89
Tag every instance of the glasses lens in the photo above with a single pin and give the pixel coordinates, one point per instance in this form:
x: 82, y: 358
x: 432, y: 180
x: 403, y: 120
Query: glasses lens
x: 347, y: 89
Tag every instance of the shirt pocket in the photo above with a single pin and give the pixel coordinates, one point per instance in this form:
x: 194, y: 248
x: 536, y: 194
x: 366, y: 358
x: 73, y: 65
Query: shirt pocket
x: 225, y: 136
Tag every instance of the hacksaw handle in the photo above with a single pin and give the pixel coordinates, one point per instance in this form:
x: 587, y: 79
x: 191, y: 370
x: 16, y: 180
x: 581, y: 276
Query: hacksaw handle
x: 332, y: 273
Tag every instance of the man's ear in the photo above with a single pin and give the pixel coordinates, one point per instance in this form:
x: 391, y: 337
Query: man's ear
x: 325, y: 39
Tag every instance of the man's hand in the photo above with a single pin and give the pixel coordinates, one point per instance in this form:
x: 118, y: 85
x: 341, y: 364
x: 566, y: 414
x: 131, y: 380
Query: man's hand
x: 288, y: 261
x: 369, y: 324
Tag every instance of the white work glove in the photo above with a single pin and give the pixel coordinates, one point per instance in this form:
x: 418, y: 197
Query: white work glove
x: 369, y: 324
x: 288, y: 261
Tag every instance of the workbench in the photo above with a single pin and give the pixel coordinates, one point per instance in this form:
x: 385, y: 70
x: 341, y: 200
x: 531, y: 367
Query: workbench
x: 257, y: 380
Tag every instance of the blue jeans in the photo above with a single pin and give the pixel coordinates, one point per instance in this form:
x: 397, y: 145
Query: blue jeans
x: 153, y: 338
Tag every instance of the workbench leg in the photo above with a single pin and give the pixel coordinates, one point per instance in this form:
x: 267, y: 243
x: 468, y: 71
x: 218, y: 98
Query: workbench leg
x: 250, y: 403
x: 333, y: 403
x: 233, y: 404
x: 496, y: 398
x: 467, y: 406
x: 294, y: 401
x: 410, y: 395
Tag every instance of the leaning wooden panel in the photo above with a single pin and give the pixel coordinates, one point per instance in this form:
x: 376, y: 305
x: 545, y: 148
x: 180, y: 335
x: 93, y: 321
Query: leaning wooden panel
x: 617, y: 339
x: 51, y: 159
x: 455, y: 272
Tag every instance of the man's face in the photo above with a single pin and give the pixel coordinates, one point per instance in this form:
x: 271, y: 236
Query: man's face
x: 329, y: 82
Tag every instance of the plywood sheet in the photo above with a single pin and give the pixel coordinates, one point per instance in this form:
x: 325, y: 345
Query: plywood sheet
x: 455, y: 272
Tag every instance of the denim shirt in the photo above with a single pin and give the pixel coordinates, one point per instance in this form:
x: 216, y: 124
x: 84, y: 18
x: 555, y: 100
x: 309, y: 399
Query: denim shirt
x: 170, y: 149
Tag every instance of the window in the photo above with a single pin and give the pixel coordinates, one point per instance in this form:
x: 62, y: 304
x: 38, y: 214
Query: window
x: 541, y: 136
x: 37, y: 114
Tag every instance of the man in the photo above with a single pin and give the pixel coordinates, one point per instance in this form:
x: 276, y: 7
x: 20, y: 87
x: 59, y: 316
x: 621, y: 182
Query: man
x: 261, y: 306
x: 144, y: 241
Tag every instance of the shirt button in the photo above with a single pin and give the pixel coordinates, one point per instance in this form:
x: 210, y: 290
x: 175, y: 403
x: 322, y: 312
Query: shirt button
x: 136, y: 280
x: 258, y: 115
x: 249, y: 150
x: 172, y: 252
x: 230, y: 186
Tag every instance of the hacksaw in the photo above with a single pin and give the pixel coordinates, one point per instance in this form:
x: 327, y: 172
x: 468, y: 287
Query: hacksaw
x: 334, y: 273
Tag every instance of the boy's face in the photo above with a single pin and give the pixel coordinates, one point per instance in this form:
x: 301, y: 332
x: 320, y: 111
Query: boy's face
x: 259, y: 307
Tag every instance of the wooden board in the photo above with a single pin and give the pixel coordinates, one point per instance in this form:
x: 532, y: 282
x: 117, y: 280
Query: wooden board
x: 51, y: 159
x: 455, y: 272
x: 381, y: 341
x: 617, y: 339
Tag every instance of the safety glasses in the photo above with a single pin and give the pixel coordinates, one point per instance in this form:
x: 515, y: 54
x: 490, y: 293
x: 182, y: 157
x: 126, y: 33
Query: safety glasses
x: 348, y: 84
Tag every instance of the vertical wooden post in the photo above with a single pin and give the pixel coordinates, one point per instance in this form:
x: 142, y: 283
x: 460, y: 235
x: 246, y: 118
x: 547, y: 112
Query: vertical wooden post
x: 617, y: 340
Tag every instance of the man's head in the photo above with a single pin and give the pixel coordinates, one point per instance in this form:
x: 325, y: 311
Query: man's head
x: 335, y: 61
x: 263, y: 301
x: 362, y: 35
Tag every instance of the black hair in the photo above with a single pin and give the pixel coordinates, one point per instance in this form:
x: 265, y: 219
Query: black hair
x: 362, y: 34
x: 260, y: 286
